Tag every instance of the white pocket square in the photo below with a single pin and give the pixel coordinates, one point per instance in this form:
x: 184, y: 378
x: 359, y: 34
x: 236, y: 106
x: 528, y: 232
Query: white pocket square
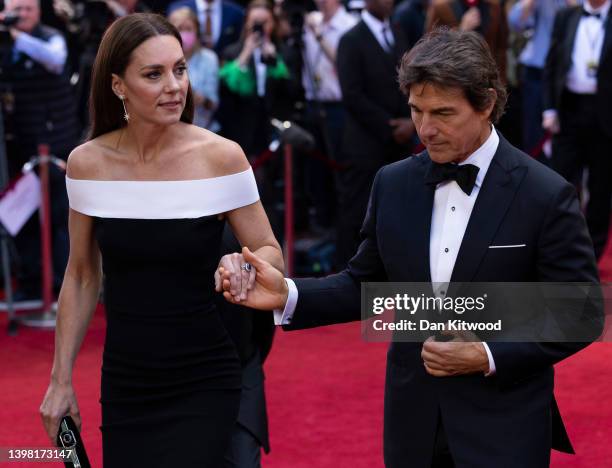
x: 510, y: 246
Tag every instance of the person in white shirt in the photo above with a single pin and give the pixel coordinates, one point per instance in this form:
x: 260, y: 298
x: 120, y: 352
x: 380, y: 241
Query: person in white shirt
x: 577, y: 102
x: 40, y: 107
x: 324, y: 111
x: 472, y: 208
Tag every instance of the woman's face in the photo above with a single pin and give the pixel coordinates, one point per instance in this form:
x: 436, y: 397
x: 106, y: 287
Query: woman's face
x: 155, y: 82
x: 260, y: 16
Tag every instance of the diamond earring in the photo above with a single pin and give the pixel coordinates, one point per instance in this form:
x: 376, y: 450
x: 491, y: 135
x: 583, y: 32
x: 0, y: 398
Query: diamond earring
x: 126, y: 116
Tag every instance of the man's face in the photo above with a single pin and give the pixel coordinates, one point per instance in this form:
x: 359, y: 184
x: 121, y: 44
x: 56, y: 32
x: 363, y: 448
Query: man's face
x: 381, y: 9
x: 596, y: 3
x: 326, y: 5
x: 28, y: 11
x: 447, y: 124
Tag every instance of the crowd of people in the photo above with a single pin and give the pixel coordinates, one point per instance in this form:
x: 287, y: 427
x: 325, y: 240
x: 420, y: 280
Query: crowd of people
x: 330, y: 68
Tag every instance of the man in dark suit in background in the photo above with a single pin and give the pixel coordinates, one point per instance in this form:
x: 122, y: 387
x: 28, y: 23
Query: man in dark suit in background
x: 472, y: 208
x: 378, y: 129
x: 578, y: 106
x: 410, y: 16
x: 220, y: 21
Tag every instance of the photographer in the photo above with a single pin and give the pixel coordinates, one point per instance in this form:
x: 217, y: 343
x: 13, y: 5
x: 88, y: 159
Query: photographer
x: 86, y: 21
x: 42, y: 110
x: 256, y: 83
x: 324, y: 112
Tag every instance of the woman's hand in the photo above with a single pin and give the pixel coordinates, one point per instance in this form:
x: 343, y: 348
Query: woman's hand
x: 252, y: 41
x: 270, y: 290
x: 59, y: 401
x: 239, y: 272
x: 268, y: 49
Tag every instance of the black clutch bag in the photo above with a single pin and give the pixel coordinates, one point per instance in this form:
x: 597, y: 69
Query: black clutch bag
x: 68, y: 438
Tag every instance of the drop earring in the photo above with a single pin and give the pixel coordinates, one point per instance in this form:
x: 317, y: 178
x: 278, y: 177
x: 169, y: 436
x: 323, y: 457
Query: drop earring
x: 126, y: 116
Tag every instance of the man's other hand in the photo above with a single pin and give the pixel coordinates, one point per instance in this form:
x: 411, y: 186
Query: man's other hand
x: 455, y: 357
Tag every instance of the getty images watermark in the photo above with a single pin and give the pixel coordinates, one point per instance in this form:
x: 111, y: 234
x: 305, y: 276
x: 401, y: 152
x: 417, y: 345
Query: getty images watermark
x: 525, y: 312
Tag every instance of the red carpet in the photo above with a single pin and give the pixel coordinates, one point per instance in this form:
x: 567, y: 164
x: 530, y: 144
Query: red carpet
x: 324, y: 390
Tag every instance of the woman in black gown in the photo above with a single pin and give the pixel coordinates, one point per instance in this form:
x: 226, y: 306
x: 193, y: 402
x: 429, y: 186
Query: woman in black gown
x: 149, y: 194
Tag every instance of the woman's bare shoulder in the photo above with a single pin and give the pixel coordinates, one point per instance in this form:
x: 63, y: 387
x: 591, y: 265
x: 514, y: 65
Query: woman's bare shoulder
x: 218, y: 155
x: 88, y: 160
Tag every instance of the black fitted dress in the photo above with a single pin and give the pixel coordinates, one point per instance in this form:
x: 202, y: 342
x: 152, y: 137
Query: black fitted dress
x: 171, y: 377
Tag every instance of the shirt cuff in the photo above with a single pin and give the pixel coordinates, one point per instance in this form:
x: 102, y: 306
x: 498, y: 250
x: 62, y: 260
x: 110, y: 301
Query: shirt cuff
x: 283, y: 317
x: 491, y: 361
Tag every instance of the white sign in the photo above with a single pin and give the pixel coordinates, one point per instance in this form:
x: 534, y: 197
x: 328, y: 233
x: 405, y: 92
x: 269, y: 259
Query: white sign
x: 20, y: 202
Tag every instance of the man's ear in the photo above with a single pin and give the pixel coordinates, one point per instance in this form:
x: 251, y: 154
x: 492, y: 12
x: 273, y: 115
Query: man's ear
x: 117, y: 85
x: 491, y: 104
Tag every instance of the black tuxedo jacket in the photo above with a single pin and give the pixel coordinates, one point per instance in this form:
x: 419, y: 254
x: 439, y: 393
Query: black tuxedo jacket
x: 368, y: 79
x: 559, y: 62
x: 506, y: 420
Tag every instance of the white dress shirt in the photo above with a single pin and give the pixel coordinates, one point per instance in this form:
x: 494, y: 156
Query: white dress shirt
x: 320, y: 77
x: 588, y: 45
x: 215, y: 20
x: 451, y: 213
x: 260, y: 72
x: 381, y: 30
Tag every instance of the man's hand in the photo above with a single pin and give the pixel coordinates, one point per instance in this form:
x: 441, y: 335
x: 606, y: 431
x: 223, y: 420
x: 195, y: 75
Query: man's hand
x: 403, y: 129
x: 456, y: 357
x: 15, y: 33
x: 550, y: 122
x: 470, y: 20
x: 314, y: 22
x: 64, y: 9
x: 270, y: 290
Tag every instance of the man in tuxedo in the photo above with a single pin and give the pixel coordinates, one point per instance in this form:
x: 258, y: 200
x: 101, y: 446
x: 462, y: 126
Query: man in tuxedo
x: 433, y: 218
x: 577, y: 103
x: 378, y: 129
x: 220, y: 21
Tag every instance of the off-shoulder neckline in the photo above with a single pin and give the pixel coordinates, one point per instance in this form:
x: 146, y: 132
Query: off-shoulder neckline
x: 149, y: 181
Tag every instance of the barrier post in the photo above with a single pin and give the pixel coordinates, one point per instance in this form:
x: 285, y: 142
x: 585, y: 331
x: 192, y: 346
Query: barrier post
x: 289, y: 217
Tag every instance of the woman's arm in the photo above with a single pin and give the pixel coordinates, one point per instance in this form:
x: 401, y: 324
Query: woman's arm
x: 251, y: 227
x: 78, y: 297
x: 76, y: 304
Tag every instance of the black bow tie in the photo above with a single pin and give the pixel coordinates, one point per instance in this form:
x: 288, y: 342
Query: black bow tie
x: 588, y: 13
x: 464, y: 175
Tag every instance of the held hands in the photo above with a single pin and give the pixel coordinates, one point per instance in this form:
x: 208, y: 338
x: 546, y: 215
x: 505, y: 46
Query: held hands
x: 240, y: 274
x: 456, y: 357
x: 269, y: 291
x: 59, y: 401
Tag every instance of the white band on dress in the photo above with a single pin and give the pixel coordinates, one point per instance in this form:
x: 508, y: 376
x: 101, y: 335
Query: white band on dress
x: 162, y: 199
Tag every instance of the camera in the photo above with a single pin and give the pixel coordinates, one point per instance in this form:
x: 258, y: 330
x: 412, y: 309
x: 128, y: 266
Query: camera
x: 258, y: 28
x: 10, y: 19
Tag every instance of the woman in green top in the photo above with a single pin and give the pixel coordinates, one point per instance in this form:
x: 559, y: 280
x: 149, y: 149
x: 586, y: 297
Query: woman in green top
x: 256, y: 83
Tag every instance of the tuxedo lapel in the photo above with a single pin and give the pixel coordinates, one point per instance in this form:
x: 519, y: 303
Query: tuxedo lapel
x: 375, y: 46
x: 570, y: 37
x: 497, y: 192
x: 420, y: 199
x: 607, y: 38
